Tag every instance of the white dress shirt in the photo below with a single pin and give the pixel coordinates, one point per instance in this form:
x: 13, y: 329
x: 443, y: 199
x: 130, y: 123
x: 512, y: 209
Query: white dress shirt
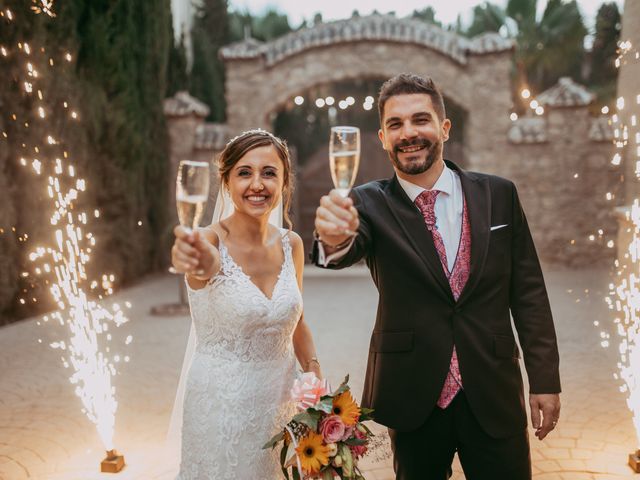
x: 448, y: 211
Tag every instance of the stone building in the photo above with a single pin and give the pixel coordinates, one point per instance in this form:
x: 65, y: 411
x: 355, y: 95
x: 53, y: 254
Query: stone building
x: 629, y: 117
x: 558, y: 160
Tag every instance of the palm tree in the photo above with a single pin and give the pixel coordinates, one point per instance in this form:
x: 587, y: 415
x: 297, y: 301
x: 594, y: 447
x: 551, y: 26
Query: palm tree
x: 551, y: 47
x: 546, y: 48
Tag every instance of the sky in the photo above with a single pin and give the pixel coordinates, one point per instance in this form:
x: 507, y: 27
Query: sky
x: 446, y: 10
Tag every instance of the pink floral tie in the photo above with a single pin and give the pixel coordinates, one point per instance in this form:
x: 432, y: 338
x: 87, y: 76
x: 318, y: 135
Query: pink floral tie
x: 457, y: 278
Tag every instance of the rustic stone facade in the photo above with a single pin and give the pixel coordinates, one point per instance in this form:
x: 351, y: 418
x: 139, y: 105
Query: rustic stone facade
x: 628, y: 89
x: 560, y: 161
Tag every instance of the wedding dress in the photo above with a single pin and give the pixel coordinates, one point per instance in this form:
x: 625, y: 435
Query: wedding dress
x: 237, y: 388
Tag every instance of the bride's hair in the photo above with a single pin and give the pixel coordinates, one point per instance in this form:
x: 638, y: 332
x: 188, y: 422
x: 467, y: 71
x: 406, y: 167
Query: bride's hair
x: 247, y: 141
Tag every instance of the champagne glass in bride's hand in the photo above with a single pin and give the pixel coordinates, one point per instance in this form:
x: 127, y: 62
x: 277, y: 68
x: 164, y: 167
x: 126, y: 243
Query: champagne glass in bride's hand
x: 192, y: 191
x: 344, y: 155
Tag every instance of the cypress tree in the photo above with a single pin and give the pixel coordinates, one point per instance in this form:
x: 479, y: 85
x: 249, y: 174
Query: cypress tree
x: 210, y: 32
x: 603, y: 72
x: 116, y: 81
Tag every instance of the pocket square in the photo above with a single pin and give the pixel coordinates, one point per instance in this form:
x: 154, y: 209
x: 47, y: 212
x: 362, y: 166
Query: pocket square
x: 498, y: 227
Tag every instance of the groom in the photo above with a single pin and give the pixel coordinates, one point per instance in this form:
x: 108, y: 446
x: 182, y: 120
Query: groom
x: 452, y: 257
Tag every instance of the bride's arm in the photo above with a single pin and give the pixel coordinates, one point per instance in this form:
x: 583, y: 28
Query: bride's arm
x: 302, y: 339
x: 196, y: 255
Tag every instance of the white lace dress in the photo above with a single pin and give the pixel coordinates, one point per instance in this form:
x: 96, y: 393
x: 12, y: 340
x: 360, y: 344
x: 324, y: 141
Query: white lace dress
x: 237, y: 390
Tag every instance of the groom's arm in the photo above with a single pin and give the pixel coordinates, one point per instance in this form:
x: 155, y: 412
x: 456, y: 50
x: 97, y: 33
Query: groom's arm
x: 351, y: 249
x: 532, y: 317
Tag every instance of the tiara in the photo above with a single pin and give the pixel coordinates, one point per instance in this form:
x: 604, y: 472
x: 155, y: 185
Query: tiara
x: 258, y: 131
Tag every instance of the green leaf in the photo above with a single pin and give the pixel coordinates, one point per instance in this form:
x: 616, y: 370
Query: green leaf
x: 327, y: 474
x: 274, y: 440
x: 369, y: 432
x: 343, y: 387
x: 295, y: 473
x: 355, y: 441
x: 325, y: 405
x: 347, y: 460
x: 283, y: 459
x: 310, y: 418
x: 365, y: 414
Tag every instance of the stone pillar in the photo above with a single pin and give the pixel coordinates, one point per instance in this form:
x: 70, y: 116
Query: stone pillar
x: 628, y: 89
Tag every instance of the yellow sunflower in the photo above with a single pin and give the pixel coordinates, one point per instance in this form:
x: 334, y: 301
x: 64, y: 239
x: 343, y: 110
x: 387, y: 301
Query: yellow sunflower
x: 313, y: 453
x: 346, y: 408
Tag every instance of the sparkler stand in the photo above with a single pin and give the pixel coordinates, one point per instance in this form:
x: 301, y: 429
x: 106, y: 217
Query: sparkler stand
x: 113, y: 462
x: 634, y: 461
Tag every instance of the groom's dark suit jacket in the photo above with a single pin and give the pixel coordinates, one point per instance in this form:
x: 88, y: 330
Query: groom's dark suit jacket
x: 418, y: 321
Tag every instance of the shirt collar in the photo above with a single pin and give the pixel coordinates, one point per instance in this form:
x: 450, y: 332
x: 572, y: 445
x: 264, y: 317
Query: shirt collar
x: 444, y: 184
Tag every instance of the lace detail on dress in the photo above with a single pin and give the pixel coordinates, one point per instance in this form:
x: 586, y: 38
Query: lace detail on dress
x: 237, y: 393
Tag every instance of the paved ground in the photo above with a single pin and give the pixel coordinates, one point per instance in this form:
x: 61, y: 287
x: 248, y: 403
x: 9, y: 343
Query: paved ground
x: 43, y: 434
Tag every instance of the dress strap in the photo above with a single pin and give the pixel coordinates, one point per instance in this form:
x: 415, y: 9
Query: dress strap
x: 286, y: 247
x: 226, y: 262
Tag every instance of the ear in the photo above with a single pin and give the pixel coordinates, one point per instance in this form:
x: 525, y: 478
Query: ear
x: 381, y: 137
x: 446, y: 126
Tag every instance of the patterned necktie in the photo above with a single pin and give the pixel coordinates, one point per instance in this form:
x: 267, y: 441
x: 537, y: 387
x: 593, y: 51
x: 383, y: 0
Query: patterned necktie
x: 457, y: 279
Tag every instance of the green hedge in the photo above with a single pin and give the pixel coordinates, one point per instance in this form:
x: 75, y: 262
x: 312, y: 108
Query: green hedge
x: 117, y: 82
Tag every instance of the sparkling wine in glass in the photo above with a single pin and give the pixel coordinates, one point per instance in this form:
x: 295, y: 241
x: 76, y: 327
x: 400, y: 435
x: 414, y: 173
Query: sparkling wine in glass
x: 192, y: 191
x: 344, y: 156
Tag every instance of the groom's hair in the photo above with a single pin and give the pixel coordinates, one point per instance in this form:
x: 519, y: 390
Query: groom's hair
x: 408, y: 83
x: 239, y: 146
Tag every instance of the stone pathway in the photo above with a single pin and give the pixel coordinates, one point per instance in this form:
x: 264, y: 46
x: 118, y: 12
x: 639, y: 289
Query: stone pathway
x: 43, y: 434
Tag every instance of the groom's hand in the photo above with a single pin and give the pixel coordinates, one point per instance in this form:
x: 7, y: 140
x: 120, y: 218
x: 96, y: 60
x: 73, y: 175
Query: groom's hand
x: 336, y: 219
x: 545, y: 412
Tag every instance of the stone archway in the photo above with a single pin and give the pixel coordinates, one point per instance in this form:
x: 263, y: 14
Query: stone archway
x: 263, y: 78
x: 473, y: 73
x: 559, y: 159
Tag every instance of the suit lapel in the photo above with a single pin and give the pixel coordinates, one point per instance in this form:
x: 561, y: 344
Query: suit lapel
x: 477, y: 194
x: 410, y: 220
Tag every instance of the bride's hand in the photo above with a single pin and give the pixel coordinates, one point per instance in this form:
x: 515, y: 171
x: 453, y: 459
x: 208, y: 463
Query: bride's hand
x: 194, y: 255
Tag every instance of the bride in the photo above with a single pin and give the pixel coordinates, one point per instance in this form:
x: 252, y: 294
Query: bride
x: 244, y: 278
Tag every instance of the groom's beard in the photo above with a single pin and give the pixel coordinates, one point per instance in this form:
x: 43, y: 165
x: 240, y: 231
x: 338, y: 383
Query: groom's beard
x: 415, y: 167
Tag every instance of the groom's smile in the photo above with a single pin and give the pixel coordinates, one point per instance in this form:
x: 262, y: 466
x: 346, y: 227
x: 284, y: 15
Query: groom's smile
x: 412, y: 133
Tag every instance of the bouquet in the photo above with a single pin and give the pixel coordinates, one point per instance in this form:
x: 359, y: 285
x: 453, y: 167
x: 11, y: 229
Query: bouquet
x: 327, y: 437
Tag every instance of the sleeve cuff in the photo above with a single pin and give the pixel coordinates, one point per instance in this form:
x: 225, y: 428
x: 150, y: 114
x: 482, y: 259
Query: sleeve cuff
x: 324, y: 259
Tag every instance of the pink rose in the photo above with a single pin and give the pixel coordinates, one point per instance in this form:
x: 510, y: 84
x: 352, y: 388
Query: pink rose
x: 332, y: 428
x: 358, y: 450
x: 308, y: 389
x: 348, y: 432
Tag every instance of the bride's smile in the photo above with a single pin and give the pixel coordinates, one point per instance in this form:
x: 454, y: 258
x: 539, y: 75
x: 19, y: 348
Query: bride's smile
x: 256, y: 182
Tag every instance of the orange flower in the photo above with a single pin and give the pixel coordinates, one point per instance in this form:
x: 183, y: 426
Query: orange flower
x: 346, y: 408
x: 313, y: 453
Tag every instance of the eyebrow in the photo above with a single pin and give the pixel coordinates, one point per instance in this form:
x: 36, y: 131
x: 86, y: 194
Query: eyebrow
x: 414, y: 116
x: 237, y: 167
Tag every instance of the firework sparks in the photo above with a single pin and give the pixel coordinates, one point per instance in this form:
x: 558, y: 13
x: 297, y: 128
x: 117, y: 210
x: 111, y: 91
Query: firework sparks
x: 43, y: 6
x: 86, y: 351
x: 624, y: 297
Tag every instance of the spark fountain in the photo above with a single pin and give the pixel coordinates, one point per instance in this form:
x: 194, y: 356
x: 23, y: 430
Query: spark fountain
x: 63, y: 265
x: 624, y: 297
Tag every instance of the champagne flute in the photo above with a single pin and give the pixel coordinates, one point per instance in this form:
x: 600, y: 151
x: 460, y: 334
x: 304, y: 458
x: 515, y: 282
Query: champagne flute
x: 344, y: 155
x: 192, y: 191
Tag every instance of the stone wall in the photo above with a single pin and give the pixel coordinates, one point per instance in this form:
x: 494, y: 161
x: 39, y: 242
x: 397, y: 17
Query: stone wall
x: 628, y: 89
x: 563, y: 172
